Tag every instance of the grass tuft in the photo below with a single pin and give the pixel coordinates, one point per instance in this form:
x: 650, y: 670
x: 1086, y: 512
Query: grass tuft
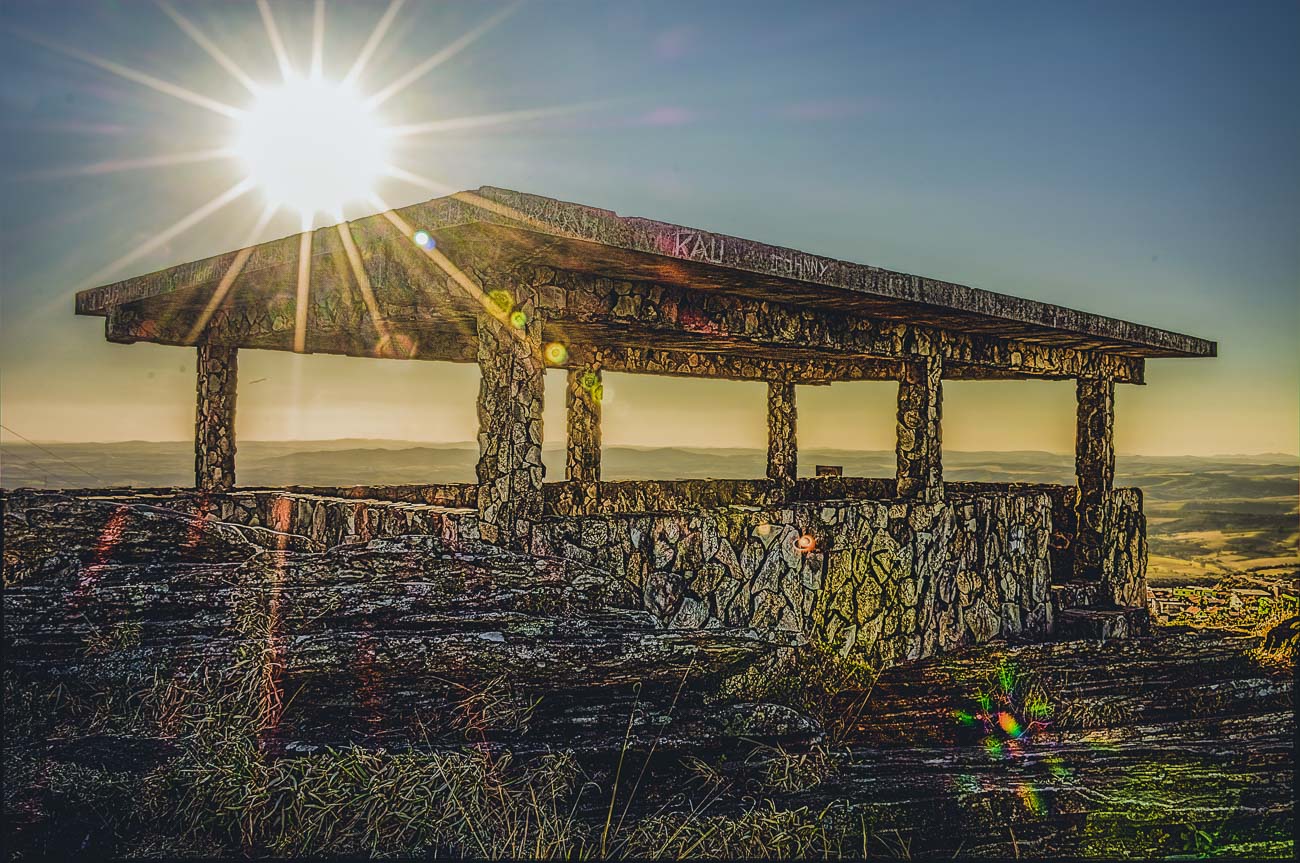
x: 817, y: 681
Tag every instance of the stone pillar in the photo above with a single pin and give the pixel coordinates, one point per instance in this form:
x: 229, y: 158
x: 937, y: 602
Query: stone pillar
x: 920, y: 411
x: 214, y: 427
x: 510, y: 429
x: 582, y: 397
x: 782, y: 445
x: 1094, y: 466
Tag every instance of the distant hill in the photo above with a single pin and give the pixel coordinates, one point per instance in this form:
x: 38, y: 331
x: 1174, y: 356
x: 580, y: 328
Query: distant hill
x: 357, y: 461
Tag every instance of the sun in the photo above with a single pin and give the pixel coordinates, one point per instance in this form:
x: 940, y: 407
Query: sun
x: 311, y: 145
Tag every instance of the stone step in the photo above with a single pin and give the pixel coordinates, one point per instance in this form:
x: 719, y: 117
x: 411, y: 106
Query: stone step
x: 1074, y: 624
x: 1076, y: 594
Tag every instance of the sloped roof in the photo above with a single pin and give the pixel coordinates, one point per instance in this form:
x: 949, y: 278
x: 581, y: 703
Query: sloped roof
x: 589, y: 239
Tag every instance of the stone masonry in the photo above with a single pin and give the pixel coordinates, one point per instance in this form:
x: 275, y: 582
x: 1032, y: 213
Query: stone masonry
x: 884, y: 568
x: 879, y: 581
x: 920, y: 411
x: 510, y: 427
x: 583, y: 392
x: 214, y: 432
x: 782, y: 444
x: 1095, y: 467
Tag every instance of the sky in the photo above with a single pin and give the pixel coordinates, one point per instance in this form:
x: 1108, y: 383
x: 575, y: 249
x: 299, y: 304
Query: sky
x: 1135, y: 160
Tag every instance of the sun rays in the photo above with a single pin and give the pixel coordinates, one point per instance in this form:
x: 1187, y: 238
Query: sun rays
x: 310, y: 143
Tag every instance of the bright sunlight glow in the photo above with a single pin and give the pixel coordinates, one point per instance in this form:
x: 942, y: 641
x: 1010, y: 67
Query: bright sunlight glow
x: 312, y: 145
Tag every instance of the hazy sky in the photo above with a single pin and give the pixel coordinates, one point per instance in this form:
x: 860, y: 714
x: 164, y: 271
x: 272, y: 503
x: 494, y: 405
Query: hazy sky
x: 1133, y: 159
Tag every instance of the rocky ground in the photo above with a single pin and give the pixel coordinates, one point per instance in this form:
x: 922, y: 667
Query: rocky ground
x: 182, y: 688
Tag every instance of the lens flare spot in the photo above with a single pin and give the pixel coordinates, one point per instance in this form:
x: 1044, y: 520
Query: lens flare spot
x: 397, y: 345
x: 1030, y: 797
x: 590, y: 381
x: 805, y: 543
x: 518, y: 319
x: 1009, y: 724
x: 502, y: 300
x: 423, y: 240
x: 557, y: 354
x: 993, y: 747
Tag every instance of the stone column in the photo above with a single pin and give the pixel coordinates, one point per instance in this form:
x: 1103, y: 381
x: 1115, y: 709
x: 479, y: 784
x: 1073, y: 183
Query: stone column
x: 510, y: 429
x: 214, y: 427
x: 920, y: 411
x: 782, y: 445
x: 1094, y: 467
x: 582, y: 402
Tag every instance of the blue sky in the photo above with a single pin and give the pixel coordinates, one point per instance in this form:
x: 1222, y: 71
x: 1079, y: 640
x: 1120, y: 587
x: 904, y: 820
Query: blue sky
x: 1134, y: 159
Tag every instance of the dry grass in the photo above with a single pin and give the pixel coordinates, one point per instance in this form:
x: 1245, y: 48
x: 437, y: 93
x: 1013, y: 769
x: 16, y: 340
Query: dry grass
x: 763, y: 832
x: 493, y: 705
x: 818, y: 681
x: 225, y: 792
x: 786, y: 771
x: 120, y: 636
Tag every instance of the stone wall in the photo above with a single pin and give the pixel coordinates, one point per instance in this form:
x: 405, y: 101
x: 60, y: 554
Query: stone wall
x: 1122, y: 526
x: 292, y: 519
x: 582, y: 396
x: 330, y: 521
x: 691, y: 495
x: 883, y: 581
x: 563, y: 499
x: 452, y: 494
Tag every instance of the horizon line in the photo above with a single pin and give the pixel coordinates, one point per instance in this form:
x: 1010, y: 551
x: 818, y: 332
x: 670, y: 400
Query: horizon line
x: 472, y: 444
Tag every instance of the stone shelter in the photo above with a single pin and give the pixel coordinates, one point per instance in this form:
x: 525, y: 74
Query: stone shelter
x: 884, y: 568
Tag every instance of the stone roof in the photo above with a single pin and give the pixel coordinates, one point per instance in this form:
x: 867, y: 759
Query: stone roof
x: 600, y: 242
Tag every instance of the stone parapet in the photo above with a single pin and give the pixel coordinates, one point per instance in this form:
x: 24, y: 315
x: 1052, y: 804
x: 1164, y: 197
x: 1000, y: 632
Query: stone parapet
x: 884, y: 581
x: 690, y: 495
x: 455, y: 495
x: 283, y: 519
x: 881, y: 581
